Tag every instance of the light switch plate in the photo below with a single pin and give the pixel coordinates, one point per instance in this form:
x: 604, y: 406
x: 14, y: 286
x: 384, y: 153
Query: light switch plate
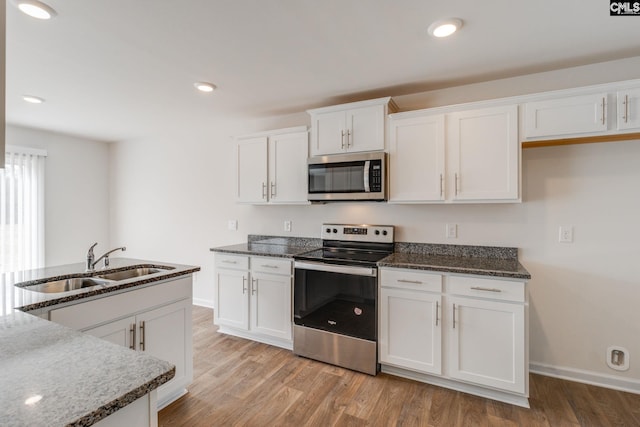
x: 452, y: 231
x: 232, y: 224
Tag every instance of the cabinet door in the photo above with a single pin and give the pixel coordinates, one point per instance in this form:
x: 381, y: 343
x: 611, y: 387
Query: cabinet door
x: 328, y: 133
x: 484, y: 151
x: 487, y: 343
x: 365, y: 128
x: 252, y: 170
x: 271, y: 305
x: 231, y: 304
x: 416, y: 159
x: 288, y: 168
x: 410, y: 330
x: 629, y: 109
x: 166, y: 333
x: 564, y: 116
x: 121, y: 332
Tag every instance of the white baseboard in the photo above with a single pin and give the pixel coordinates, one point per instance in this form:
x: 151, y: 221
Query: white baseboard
x: 203, y: 302
x: 587, y: 377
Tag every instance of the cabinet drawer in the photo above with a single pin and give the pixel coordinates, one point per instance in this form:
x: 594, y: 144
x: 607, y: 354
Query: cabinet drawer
x: 506, y: 290
x: 271, y: 265
x: 236, y: 262
x: 410, y: 279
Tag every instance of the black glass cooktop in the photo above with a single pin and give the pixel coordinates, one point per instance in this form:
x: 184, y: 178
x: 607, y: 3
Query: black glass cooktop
x: 345, y: 256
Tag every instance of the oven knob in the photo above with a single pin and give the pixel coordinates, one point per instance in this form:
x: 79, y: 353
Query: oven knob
x: 384, y: 233
x: 335, y: 231
x: 377, y: 232
x: 328, y: 230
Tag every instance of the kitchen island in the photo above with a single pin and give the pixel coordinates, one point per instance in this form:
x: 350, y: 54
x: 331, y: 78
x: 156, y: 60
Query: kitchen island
x: 57, y: 375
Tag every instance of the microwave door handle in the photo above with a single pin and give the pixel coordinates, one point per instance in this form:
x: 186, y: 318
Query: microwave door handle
x: 367, y: 164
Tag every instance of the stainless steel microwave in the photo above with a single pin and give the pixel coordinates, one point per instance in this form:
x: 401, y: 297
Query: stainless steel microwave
x: 348, y: 177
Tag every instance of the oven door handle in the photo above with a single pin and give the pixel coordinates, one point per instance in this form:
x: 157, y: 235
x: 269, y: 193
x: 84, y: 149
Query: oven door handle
x: 334, y: 268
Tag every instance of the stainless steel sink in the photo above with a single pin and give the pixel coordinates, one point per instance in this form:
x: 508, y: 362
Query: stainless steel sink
x: 67, y: 285
x: 129, y: 274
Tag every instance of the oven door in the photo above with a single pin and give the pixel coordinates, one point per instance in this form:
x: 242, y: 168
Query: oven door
x: 340, y: 299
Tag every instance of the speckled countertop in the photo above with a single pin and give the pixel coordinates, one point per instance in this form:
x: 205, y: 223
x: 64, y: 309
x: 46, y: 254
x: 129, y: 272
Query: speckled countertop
x: 15, y: 292
x: 81, y: 379
x: 480, y: 260
x: 464, y: 259
x: 273, y: 246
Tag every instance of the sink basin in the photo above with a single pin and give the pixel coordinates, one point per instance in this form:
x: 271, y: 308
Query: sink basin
x: 66, y: 285
x: 129, y: 274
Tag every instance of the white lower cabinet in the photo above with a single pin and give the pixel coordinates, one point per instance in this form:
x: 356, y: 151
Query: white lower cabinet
x: 253, y: 298
x: 463, y: 332
x: 155, y: 319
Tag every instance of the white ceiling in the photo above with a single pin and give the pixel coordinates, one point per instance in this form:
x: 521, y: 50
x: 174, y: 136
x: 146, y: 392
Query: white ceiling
x: 124, y: 69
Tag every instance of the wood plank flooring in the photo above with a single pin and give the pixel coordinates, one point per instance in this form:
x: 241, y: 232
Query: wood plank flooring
x: 243, y: 383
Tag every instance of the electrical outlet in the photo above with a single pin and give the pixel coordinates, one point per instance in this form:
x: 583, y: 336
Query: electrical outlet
x: 232, y: 224
x: 565, y: 234
x: 618, y: 358
x: 287, y: 226
x: 452, y: 231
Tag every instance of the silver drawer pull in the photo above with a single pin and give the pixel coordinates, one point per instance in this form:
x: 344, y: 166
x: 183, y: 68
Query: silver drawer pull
x: 415, y: 282
x: 269, y: 266
x: 478, y: 288
x: 226, y: 261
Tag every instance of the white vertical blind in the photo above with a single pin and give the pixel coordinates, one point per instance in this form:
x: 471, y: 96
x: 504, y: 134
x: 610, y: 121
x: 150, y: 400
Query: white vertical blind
x: 22, y: 209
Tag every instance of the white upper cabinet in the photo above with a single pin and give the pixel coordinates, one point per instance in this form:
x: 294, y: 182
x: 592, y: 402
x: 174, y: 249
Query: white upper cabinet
x: 252, y: 170
x: 484, y: 154
x: 470, y: 155
x: 272, y: 167
x: 416, y: 159
x: 566, y: 116
x: 628, y: 109
x: 354, y: 127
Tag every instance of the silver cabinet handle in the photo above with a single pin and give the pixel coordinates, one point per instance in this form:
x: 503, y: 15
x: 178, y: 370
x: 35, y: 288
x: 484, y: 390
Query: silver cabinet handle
x: 437, y: 311
x: 142, y: 335
x: 342, y: 140
x: 269, y: 266
x: 456, y: 182
x: 349, y: 139
x: 132, y: 331
x: 253, y: 286
x: 226, y: 261
x: 603, y: 109
x: 415, y: 282
x: 244, y: 285
x: 626, y: 108
x: 441, y: 186
x: 273, y: 189
x: 454, y: 316
x: 479, y: 288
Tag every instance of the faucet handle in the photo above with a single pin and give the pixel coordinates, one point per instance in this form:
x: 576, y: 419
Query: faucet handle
x: 90, y: 251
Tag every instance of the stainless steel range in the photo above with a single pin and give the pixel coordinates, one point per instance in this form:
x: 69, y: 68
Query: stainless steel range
x: 335, y: 296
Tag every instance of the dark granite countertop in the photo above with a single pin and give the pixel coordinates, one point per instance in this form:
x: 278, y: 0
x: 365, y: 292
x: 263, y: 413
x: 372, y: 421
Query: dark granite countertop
x: 493, y: 261
x: 15, y: 292
x: 80, y: 379
x: 496, y: 267
x: 273, y: 246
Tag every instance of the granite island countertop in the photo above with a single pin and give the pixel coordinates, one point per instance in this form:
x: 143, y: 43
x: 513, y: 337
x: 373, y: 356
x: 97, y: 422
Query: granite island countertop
x: 15, y: 292
x: 80, y: 379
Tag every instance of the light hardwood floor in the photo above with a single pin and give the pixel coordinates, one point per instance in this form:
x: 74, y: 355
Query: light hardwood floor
x: 243, y: 383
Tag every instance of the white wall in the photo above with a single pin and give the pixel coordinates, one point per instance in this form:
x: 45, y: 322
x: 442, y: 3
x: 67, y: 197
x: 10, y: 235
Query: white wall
x: 76, y: 192
x: 171, y: 199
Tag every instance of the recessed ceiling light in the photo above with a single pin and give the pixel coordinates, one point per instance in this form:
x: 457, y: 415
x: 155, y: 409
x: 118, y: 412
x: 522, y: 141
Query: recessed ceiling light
x: 445, y: 27
x: 204, y: 86
x: 33, y: 99
x: 36, y: 9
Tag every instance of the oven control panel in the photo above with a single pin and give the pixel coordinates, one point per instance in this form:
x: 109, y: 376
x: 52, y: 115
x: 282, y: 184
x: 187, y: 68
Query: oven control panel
x: 358, y: 232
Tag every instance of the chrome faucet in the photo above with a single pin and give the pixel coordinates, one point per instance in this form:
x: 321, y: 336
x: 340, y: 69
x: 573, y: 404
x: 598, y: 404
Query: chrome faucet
x: 91, y: 261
